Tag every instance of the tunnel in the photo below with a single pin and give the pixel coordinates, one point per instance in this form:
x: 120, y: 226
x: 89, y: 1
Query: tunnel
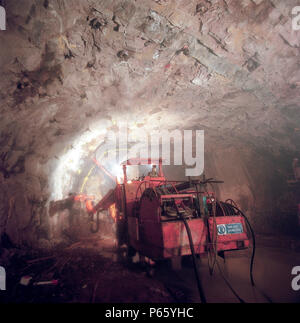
x: 115, y: 113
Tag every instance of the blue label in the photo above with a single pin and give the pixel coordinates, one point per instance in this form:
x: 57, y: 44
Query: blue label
x: 231, y: 228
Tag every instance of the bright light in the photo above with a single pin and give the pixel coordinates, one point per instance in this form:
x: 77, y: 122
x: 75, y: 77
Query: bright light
x: 118, y: 172
x: 66, y: 166
x: 71, y: 162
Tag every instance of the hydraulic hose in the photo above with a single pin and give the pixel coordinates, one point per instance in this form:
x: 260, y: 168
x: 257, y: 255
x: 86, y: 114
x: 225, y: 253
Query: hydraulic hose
x: 233, y: 210
x: 188, y: 231
x: 214, y: 245
x: 253, y: 242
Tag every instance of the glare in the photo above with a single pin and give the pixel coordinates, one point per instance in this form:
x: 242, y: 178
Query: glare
x: 118, y: 172
x: 71, y: 163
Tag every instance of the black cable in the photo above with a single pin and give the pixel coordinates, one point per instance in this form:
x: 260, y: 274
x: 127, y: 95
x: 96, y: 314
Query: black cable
x: 214, y: 244
x: 232, y: 202
x: 229, y: 285
x: 188, y: 230
x: 229, y: 209
x: 236, y: 211
x: 202, y: 296
x: 222, y: 208
x: 253, y: 240
x: 214, y: 239
x: 216, y: 251
x: 233, y: 206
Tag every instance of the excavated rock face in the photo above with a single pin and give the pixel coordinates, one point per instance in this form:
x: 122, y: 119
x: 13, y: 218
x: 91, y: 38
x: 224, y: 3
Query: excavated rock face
x: 73, y: 69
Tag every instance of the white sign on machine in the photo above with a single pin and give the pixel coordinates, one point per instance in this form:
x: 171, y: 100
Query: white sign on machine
x: 229, y: 228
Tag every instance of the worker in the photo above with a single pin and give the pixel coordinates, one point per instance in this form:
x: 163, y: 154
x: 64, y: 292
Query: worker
x: 153, y: 172
x: 296, y: 169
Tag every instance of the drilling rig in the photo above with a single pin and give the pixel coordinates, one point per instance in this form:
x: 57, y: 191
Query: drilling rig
x: 163, y: 219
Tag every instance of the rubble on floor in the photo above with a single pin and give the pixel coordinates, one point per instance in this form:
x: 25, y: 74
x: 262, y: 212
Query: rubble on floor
x: 80, y: 273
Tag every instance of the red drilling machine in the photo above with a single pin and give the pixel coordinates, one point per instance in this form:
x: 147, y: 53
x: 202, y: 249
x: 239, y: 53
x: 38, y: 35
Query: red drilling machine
x: 162, y: 219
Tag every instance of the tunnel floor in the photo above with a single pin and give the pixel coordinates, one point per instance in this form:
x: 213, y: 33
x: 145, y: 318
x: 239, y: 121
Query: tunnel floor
x: 91, y: 271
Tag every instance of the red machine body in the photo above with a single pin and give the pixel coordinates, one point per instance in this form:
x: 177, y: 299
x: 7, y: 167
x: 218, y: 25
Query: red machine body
x: 147, y: 211
x: 159, y: 236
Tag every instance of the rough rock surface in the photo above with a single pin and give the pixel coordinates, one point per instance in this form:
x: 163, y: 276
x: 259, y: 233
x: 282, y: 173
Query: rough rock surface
x: 73, y: 69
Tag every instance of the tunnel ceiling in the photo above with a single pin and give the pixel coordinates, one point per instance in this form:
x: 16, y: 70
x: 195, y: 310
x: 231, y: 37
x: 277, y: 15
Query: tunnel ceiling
x: 73, y: 69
